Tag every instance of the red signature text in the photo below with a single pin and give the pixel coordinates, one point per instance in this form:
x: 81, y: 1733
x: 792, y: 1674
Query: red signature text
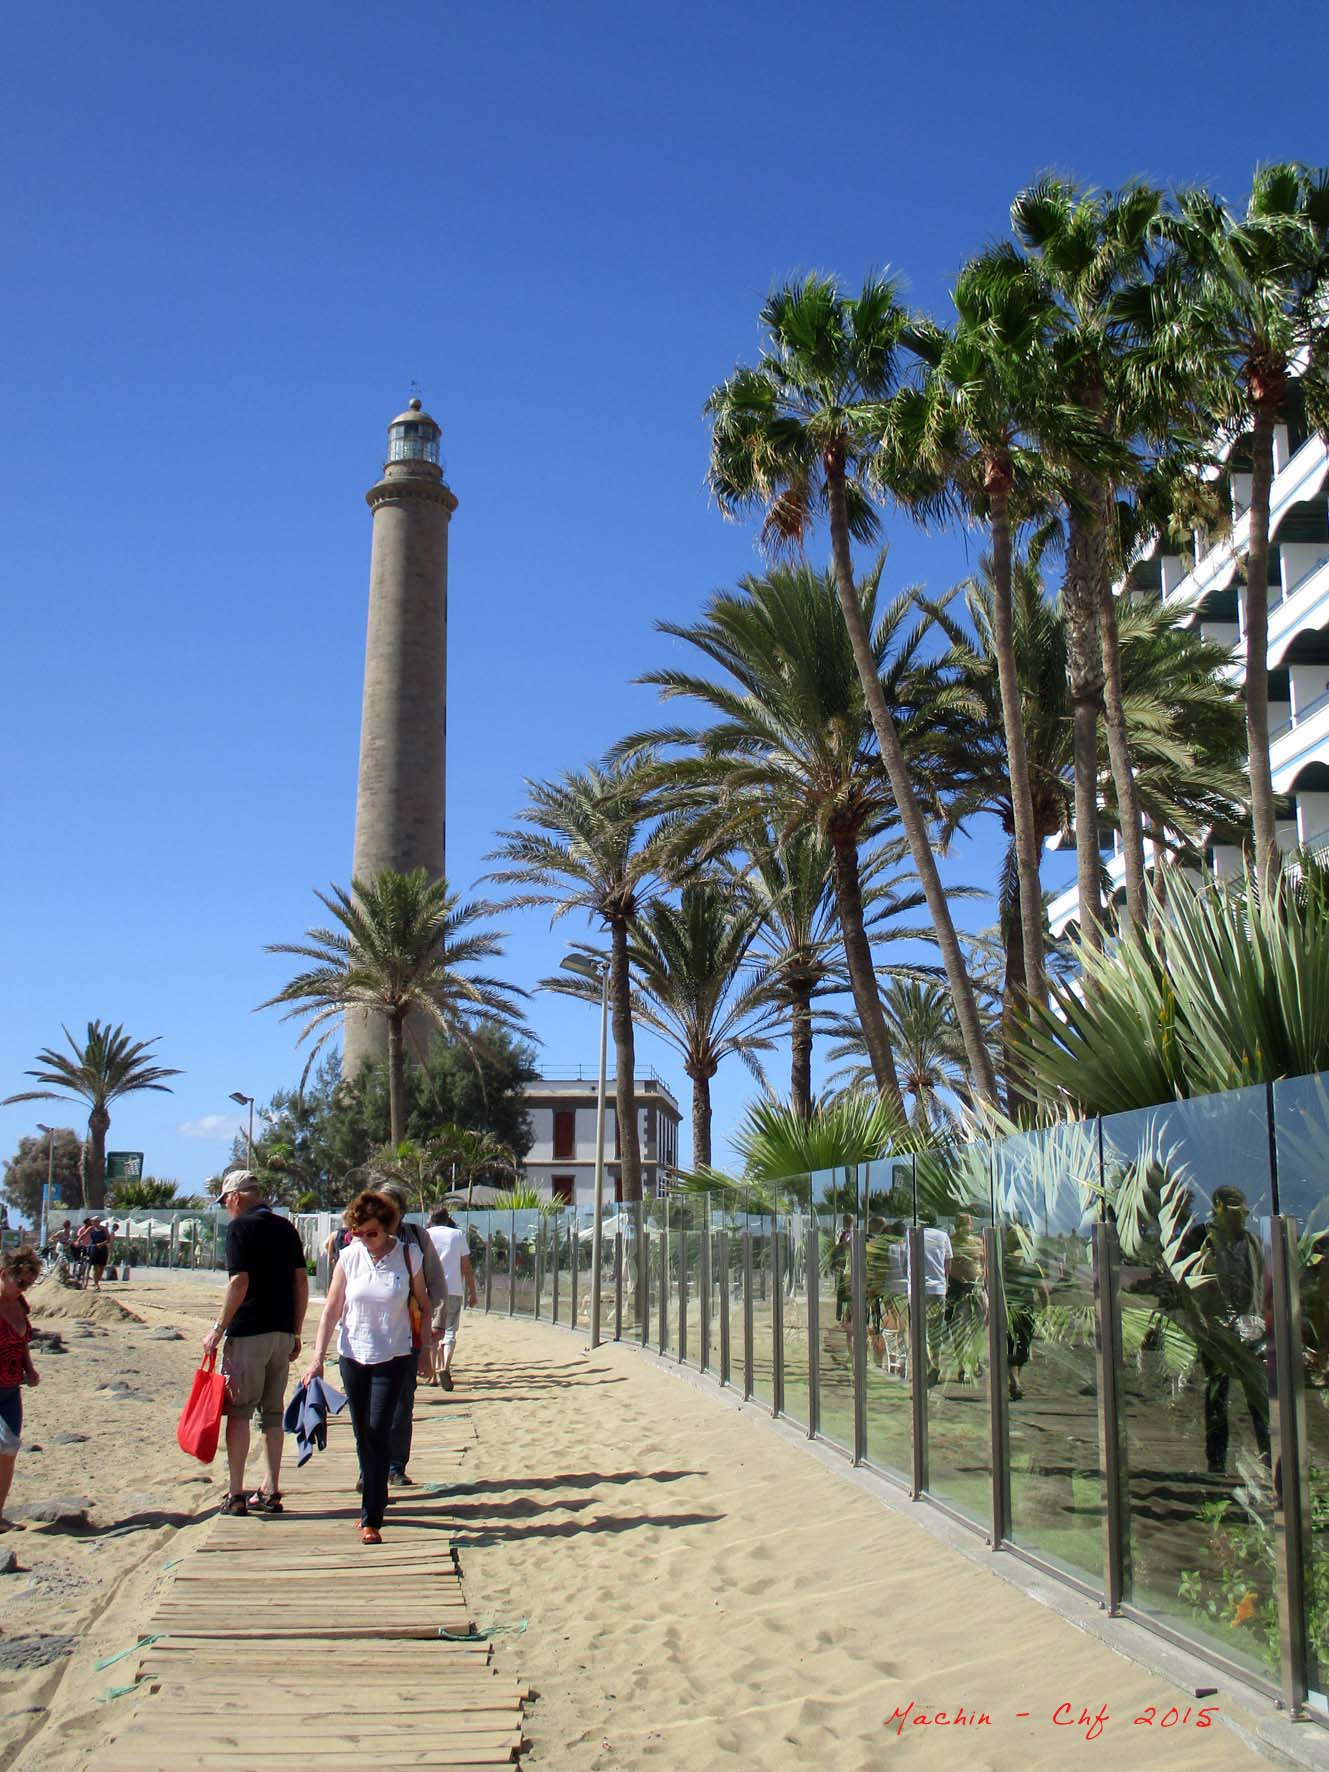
x: 937, y: 1719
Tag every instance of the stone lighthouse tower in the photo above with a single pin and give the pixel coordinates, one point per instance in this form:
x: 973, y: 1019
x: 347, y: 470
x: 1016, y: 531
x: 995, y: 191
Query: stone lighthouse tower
x: 399, y: 805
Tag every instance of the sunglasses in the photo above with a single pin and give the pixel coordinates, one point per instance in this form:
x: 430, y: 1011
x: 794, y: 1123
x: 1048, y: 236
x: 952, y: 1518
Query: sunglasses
x: 374, y: 1236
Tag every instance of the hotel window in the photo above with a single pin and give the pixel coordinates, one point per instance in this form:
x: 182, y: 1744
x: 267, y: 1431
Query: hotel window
x: 565, y: 1134
x: 563, y: 1187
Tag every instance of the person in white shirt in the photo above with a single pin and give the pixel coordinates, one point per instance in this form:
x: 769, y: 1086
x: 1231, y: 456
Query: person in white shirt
x: 458, y: 1274
x: 377, y: 1278
x: 937, y: 1255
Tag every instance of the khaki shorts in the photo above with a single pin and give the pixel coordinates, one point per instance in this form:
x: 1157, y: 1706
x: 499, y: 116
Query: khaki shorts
x: 257, y: 1368
x: 446, y: 1318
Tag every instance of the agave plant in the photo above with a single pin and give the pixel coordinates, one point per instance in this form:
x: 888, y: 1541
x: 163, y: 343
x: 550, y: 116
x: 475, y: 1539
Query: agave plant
x: 1228, y: 986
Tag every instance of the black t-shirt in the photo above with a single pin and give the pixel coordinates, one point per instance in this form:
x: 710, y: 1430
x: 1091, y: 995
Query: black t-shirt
x: 269, y: 1250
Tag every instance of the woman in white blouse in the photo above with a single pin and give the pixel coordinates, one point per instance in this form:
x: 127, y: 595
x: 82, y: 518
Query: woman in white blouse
x: 376, y: 1279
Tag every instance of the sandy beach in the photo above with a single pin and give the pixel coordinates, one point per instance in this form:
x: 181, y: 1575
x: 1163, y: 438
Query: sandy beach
x: 680, y: 1583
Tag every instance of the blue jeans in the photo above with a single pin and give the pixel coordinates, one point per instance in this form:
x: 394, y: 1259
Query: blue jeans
x: 373, y: 1392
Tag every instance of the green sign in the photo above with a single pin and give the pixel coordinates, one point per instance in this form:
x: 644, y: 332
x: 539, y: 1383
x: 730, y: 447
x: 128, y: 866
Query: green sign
x: 124, y: 1165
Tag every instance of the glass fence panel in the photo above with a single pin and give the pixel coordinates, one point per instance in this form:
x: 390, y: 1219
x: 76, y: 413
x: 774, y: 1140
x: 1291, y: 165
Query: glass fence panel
x: 1047, y: 1192
x: 691, y: 1222
x: 498, y: 1226
x: 888, y: 1211
x: 760, y: 1224
x: 525, y: 1227
x: 627, y: 1220
x: 954, y: 1203
x: 1301, y: 1130
x: 653, y: 1228
x: 834, y: 1209
x: 1189, y: 1187
x: 797, y: 1230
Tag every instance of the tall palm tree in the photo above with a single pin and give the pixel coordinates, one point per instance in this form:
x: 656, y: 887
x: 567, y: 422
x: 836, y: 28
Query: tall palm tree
x: 974, y: 436
x: 105, y: 1067
x: 401, y: 948
x: 585, y: 844
x: 793, y: 741
x: 1238, y: 305
x: 694, y: 985
x: 796, y: 436
x: 1089, y: 247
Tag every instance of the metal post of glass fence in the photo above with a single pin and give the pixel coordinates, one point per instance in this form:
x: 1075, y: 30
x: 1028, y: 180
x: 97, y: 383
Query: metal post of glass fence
x: 1111, y: 1436
x: 810, y: 1244
x: 643, y: 1277
x: 858, y: 1329
x: 722, y: 1265
x: 777, y: 1321
x: 512, y: 1266
x: 1292, y: 1524
x: 747, y: 1314
x: 999, y: 1425
x: 539, y: 1241
x: 704, y: 1282
x: 489, y: 1269
x: 553, y: 1232
x: 918, y: 1361
x: 683, y: 1290
x: 664, y: 1286
x: 618, y: 1276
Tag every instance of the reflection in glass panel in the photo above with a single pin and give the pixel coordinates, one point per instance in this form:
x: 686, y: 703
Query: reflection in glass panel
x: 1301, y: 1129
x: 525, y: 1227
x: 953, y: 1191
x: 888, y: 1211
x: 759, y: 1224
x: 691, y: 1222
x: 834, y: 1210
x: 1188, y: 1185
x: 796, y: 1228
x: 1047, y: 1202
x: 623, y: 1294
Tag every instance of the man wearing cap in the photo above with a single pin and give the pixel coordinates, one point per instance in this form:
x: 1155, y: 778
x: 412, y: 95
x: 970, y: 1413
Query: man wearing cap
x: 261, y: 1319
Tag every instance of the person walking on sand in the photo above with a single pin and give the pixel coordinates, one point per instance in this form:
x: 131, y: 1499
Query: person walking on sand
x: 99, y: 1250
x: 19, y: 1268
x: 261, y: 1319
x: 368, y: 1303
x: 403, y: 1417
x: 458, y: 1275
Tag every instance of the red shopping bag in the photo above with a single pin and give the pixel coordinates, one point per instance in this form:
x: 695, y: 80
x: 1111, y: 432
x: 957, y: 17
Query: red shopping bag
x: 199, y: 1426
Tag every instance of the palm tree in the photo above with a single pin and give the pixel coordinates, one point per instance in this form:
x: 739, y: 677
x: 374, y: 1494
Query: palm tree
x: 974, y: 435
x: 791, y: 886
x: 583, y: 846
x: 471, y: 1155
x: 796, y: 435
x: 402, y: 948
x: 1088, y: 248
x: 793, y: 741
x: 108, y: 1065
x: 931, y: 1053
x: 1238, y: 305
x: 695, y: 987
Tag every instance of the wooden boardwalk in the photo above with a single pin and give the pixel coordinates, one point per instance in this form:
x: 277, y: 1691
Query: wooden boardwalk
x: 284, y: 1642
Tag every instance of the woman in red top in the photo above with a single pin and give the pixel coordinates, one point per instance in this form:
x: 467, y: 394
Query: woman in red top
x: 18, y: 1269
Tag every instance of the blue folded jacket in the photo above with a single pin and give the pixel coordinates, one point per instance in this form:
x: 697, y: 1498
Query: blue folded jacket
x: 307, y: 1417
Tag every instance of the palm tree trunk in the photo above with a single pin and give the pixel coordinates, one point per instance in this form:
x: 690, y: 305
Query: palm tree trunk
x: 1084, y: 646
x: 396, y: 1081
x: 94, y: 1178
x: 911, y: 817
x: 1012, y: 992
x: 701, y: 1120
x: 1130, y: 815
x: 800, y: 1054
x: 625, y: 1062
x: 1263, y: 816
x: 1017, y: 751
x: 862, y: 972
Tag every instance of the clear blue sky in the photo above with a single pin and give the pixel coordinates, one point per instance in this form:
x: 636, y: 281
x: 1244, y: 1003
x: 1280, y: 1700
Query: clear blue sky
x: 233, y: 238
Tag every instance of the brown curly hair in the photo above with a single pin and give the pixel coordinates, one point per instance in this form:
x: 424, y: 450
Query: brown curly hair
x: 371, y: 1207
x: 21, y: 1264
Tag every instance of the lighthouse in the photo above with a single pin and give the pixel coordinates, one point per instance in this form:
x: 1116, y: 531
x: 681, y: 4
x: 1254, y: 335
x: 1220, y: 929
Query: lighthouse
x: 399, y: 804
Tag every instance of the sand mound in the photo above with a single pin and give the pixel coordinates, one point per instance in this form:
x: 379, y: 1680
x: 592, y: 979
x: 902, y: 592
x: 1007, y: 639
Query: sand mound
x: 51, y: 1298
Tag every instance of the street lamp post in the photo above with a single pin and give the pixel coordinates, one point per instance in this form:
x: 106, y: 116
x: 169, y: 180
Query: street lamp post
x: 598, y: 972
x: 50, y: 1180
x: 243, y: 1101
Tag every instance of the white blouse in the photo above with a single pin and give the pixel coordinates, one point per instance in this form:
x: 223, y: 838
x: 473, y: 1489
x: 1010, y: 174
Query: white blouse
x: 376, y: 1319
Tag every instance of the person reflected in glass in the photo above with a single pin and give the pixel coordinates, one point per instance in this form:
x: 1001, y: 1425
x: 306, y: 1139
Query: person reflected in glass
x: 936, y: 1274
x: 1023, y: 1284
x: 1315, y: 1312
x: 1228, y: 1285
x: 961, y: 1284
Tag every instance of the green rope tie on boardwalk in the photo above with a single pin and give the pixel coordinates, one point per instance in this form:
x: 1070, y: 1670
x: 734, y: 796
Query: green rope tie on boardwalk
x: 110, y: 1660
x: 117, y: 1692
x: 483, y: 1632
